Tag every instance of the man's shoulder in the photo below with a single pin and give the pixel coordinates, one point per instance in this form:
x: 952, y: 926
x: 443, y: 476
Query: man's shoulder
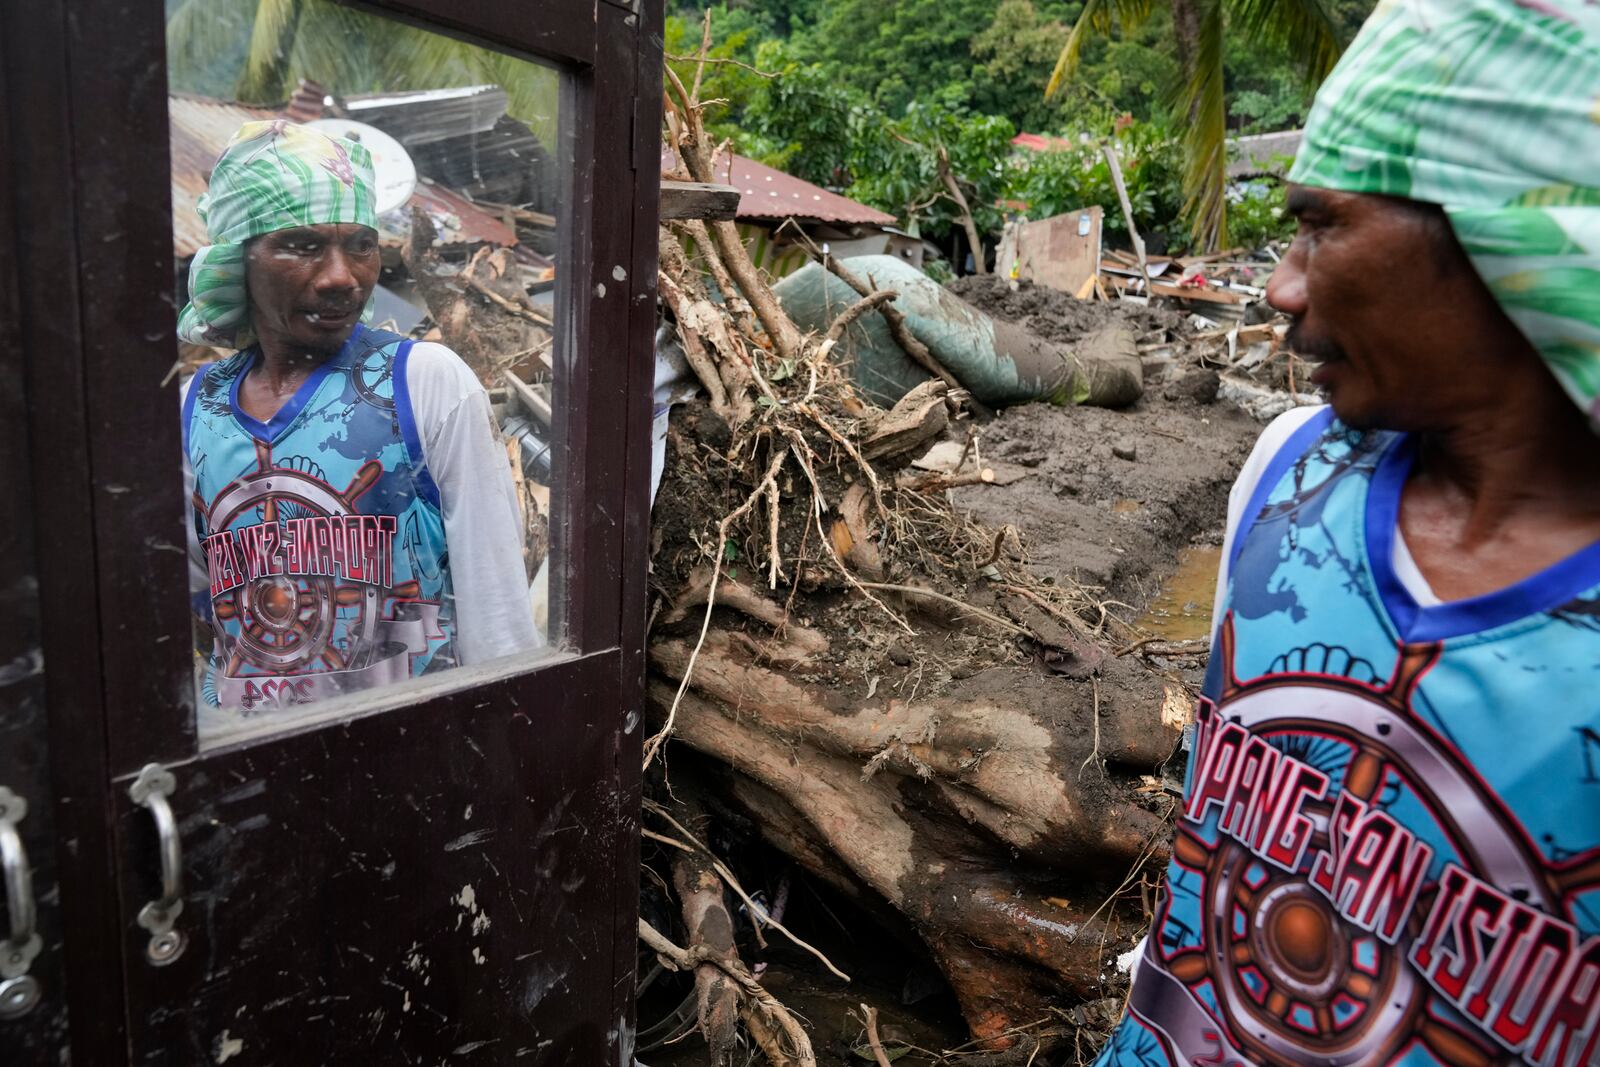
x: 436, y: 383
x: 435, y: 364
x: 429, y: 367
x: 1278, y: 432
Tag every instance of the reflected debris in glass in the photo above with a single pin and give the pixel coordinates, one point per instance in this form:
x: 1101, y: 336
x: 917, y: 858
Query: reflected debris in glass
x: 368, y: 219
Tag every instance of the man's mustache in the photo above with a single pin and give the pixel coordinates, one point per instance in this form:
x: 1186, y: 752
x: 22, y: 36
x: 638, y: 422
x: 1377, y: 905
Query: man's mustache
x: 1310, y: 346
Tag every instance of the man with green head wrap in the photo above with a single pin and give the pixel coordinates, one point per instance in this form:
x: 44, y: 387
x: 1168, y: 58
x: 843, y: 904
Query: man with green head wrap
x: 1389, y: 846
x: 355, y: 517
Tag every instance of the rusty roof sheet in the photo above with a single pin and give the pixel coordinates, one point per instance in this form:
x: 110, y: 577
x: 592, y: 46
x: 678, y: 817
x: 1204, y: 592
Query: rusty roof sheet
x: 765, y: 193
x: 1263, y: 152
x: 458, y: 220
x: 200, y: 128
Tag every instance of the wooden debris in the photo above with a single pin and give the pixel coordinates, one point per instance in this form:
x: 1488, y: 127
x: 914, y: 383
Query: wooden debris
x: 919, y: 417
x: 698, y: 200
x: 482, y: 310
x: 535, y: 404
x: 1062, y: 252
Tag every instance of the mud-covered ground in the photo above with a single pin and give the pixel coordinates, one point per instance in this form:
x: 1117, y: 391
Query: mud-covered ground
x: 1111, y: 496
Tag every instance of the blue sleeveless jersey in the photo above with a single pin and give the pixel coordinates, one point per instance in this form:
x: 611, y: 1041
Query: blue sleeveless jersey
x: 1389, y: 850
x: 321, y: 531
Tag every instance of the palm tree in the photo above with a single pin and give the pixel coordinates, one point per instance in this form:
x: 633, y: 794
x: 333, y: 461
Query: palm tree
x: 1305, y: 28
x: 257, y: 50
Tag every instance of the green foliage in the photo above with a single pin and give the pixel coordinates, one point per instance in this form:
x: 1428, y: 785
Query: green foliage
x: 939, y: 270
x: 902, y: 52
x: 803, y: 122
x: 1305, y: 36
x: 1126, y: 74
x: 1152, y: 164
x: 900, y: 173
x: 1259, y: 215
x: 1264, y: 93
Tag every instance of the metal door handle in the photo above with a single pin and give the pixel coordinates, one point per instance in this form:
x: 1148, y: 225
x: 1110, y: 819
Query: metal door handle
x: 19, y: 990
x: 151, y: 790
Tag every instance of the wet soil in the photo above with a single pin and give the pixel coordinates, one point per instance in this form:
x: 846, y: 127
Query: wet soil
x: 1112, y: 496
x: 1051, y: 313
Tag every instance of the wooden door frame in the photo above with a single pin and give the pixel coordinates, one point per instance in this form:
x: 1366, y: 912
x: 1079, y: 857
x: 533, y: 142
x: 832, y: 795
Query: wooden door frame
x: 87, y: 95
x: 24, y: 744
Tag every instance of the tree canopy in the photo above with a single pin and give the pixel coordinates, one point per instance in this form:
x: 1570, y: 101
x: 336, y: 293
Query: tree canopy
x: 866, y: 91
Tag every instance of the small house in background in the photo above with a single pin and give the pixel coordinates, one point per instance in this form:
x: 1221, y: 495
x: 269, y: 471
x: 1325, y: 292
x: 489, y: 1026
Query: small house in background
x: 772, y: 204
x: 1037, y: 142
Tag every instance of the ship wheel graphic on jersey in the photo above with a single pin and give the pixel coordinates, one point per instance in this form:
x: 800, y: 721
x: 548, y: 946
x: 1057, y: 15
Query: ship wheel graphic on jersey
x: 1297, y: 981
x: 287, y: 622
x: 370, y: 371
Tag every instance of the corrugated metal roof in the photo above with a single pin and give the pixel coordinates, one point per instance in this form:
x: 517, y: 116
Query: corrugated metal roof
x: 458, y: 220
x: 200, y: 128
x: 765, y: 193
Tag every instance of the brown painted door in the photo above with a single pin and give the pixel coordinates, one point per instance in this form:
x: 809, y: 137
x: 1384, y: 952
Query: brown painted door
x: 443, y: 869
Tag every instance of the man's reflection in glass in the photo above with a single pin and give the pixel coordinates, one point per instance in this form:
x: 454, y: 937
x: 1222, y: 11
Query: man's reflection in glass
x: 355, y: 515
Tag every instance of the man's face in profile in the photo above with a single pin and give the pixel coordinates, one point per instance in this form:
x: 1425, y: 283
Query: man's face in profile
x: 1379, y: 292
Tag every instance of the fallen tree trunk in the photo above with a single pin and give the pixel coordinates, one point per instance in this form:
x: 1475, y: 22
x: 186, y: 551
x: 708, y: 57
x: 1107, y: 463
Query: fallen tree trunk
x: 966, y: 812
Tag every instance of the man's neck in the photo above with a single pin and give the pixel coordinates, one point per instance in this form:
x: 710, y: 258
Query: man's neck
x: 1527, y: 456
x: 1508, y: 488
x: 283, y: 362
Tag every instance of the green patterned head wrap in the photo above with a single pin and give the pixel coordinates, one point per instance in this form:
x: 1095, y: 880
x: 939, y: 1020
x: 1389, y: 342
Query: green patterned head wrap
x: 1490, y: 109
x: 273, y: 175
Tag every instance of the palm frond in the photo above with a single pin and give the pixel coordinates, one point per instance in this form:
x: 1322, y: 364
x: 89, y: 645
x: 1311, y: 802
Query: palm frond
x: 1205, y: 174
x: 202, y: 36
x: 1097, y: 16
x: 1302, y: 28
x: 272, y: 39
x: 343, y: 49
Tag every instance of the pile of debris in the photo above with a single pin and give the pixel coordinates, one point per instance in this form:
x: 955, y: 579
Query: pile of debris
x: 858, y: 666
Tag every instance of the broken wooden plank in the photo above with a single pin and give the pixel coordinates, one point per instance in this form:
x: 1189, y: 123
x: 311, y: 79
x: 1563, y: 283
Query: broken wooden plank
x: 698, y: 200
x: 536, y: 405
x: 513, y: 213
x: 1060, y: 252
x: 919, y: 417
x: 1197, y: 292
x: 1213, y: 257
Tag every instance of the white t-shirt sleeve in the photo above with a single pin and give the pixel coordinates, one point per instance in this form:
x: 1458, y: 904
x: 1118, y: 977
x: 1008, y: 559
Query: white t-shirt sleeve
x: 482, y: 526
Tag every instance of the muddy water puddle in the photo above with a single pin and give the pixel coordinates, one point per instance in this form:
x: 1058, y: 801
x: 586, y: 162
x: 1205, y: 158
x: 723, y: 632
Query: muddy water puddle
x: 1181, y: 611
